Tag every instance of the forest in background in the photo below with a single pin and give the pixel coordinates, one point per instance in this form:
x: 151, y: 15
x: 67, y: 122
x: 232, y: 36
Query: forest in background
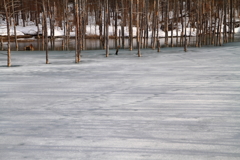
x: 213, y: 20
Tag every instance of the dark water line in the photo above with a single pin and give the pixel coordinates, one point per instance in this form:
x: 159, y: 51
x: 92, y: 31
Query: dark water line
x: 94, y: 44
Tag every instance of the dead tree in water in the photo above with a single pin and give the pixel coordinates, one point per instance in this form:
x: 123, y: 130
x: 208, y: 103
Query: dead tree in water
x: 106, y: 21
x: 158, y: 45
x: 6, y: 6
x: 138, y: 29
x: 83, y: 22
x: 172, y: 22
x: 122, y: 22
x: 130, y: 25
x: 45, y: 29
x: 9, y: 11
x: 1, y: 44
x: 116, y: 24
x: 155, y: 23
x: 77, y: 30
x: 231, y: 20
x: 146, y: 28
x: 225, y: 22
x: 14, y: 24
x: 66, y: 27
x: 177, y: 19
x: 100, y: 6
x: 166, y: 22
x: 51, y: 11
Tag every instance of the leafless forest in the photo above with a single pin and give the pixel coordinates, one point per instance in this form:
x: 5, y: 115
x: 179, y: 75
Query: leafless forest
x: 214, y: 20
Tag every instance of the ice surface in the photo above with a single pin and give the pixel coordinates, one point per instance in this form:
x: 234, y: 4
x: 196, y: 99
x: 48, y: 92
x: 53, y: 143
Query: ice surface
x: 167, y: 105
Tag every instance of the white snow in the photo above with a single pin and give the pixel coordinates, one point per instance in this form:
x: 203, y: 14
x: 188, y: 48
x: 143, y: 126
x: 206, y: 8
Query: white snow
x: 167, y: 105
x: 237, y: 30
x: 3, y: 31
x: 29, y: 30
x: 94, y: 30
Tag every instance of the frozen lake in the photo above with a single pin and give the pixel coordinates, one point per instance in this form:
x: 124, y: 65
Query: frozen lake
x: 167, y: 105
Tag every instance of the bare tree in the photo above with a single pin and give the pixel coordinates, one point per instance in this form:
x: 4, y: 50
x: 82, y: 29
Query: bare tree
x: 45, y: 29
x: 6, y: 4
x: 106, y: 21
x: 138, y: 29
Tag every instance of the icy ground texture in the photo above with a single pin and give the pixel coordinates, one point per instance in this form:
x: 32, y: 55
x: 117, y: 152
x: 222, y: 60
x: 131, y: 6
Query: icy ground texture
x: 168, y: 105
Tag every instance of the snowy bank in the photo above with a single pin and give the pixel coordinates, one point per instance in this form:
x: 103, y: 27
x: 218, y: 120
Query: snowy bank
x: 3, y: 31
x: 94, y: 30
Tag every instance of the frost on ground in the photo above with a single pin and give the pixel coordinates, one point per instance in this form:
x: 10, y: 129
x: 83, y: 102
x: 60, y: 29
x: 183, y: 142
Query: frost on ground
x: 167, y: 105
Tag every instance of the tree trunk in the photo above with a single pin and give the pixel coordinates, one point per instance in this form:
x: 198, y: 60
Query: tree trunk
x: 231, y: 20
x: 116, y: 24
x: 172, y: 23
x: 131, y: 25
x: 76, y: 7
x: 107, y: 28
x: 138, y: 30
x: 154, y: 25
x: 100, y: 23
x: 1, y: 44
x: 8, y: 33
x: 14, y: 24
x: 177, y: 19
x: 147, y: 20
x: 225, y: 21
x: 45, y: 29
x: 166, y: 22
x: 23, y: 14
x: 122, y: 23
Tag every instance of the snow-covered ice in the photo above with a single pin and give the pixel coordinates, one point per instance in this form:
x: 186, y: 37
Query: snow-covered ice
x: 167, y: 105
